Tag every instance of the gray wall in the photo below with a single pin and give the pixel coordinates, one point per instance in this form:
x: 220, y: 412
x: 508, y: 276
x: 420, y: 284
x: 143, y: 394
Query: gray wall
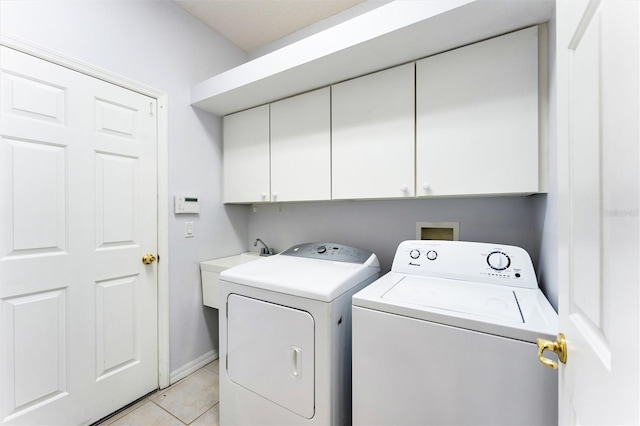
x: 158, y: 44
x: 379, y: 226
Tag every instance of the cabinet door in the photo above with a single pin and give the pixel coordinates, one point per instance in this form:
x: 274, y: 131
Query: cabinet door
x: 246, y: 156
x: 477, y: 118
x: 373, y: 135
x: 301, y: 147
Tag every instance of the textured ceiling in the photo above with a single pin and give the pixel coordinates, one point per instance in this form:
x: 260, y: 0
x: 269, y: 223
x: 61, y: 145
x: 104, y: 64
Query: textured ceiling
x: 251, y: 24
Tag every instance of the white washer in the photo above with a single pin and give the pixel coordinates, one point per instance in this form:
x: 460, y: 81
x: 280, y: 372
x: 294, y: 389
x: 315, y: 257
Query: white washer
x: 448, y: 337
x: 285, y: 335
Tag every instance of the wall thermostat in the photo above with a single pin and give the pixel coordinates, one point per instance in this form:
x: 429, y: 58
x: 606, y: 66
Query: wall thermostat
x: 186, y: 205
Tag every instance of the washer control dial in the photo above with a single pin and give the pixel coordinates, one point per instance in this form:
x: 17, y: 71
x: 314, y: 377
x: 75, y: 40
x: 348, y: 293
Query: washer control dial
x: 321, y: 249
x: 498, y: 260
x: 414, y: 253
x: 432, y: 255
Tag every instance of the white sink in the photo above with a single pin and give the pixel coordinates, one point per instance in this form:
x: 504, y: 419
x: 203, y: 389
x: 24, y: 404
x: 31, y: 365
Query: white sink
x: 222, y: 263
x: 210, y: 271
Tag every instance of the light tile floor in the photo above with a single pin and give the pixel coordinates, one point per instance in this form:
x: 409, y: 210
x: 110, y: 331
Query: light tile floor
x: 193, y: 400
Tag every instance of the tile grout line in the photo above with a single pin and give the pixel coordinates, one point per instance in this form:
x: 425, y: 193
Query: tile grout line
x: 168, y: 412
x: 205, y: 412
x: 182, y: 383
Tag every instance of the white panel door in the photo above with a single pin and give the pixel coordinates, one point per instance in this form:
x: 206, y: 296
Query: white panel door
x: 246, y: 176
x: 78, y: 309
x: 598, y: 56
x: 477, y: 118
x: 270, y: 351
x: 301, y: 147
x: 373, y: 139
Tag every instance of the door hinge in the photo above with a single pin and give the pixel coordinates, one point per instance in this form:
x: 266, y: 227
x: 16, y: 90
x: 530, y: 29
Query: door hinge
x: 151, y: 109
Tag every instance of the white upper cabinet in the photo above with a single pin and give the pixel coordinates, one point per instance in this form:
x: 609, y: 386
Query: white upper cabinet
x: 477, y: 118
x: 301, y: 147
x: 460, y: 123
x: 246, y: 156
x: 373, y: 135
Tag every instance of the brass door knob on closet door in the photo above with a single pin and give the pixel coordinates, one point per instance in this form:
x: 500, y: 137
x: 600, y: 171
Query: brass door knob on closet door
x: 558, y: 346
x: 148, y: 259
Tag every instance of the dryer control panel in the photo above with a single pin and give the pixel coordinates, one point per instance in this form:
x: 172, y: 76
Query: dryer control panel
x: 329, y: 251
x: 467, y: 261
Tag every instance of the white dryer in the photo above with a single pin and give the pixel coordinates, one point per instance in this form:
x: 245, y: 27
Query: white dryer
x: 448, y: 337
x: 285, y: 335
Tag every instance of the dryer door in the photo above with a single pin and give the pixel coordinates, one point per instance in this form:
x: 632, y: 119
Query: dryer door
x: 270, y: 350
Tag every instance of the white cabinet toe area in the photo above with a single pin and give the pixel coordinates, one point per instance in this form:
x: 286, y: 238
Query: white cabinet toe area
x: 460, y: 123
x: 477, y: 118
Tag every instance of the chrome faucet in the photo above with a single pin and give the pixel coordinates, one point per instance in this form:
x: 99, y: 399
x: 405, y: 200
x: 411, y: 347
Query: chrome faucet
x: 264, y: 251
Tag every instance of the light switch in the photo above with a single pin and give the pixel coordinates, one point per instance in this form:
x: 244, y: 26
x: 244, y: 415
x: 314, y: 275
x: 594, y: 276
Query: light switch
x: 188, y: 229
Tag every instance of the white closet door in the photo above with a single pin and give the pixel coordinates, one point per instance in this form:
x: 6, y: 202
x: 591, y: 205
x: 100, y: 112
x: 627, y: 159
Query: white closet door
x: 301, y: 147
x: 270, y: 351
x: 373, y: 135
x: 78, y: 190
x: 477, y: 118
x: 598, y: 211
x: 246, y: 173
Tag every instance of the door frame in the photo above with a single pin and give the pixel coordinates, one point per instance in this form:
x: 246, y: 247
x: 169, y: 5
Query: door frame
x: 162, y: 99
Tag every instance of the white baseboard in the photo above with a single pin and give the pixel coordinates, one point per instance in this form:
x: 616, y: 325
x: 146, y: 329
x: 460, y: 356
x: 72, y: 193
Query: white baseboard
x: 190, y: 367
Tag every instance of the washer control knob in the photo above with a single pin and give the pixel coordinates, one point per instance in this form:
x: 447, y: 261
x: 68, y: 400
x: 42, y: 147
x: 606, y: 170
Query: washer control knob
x: 432, y: 255
x: 498, y: 260
x: 415, y: 253
x: 321, y: 249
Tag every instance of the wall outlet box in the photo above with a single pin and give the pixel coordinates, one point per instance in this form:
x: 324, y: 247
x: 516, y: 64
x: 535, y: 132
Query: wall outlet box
x: 186, y: 205
x: 438, y: 231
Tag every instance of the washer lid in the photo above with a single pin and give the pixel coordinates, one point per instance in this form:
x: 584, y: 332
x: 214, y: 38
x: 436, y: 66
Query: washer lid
x: 490, y: 301
x: 473, y: 306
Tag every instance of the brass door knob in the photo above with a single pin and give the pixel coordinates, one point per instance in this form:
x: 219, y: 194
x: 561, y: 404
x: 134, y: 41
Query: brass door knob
x: 148, y: 259
x: 559, y: 346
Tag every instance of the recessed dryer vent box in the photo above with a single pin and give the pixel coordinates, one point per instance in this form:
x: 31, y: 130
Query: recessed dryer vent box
x: 438, y: 231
